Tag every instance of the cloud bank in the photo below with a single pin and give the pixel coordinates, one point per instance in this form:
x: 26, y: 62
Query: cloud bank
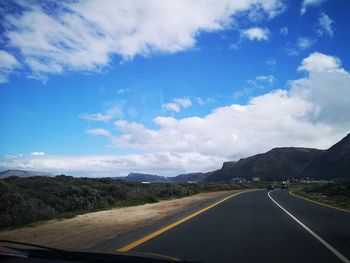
x: 312, y: 111
x: 164, y: 163
x: 85, y: 35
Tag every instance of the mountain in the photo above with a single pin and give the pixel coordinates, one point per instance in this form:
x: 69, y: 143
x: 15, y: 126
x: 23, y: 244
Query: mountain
x: 152, y: 178
x: 140, y: 177
x: 286, y: 162
x: 282, y: 163
x: 22, y: 173
x: 290, y: 162
x: 190, y: 177
x: 334, y: 162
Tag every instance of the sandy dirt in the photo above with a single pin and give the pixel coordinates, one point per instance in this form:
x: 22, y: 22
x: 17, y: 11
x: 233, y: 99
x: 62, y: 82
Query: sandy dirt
x: 87, y: 230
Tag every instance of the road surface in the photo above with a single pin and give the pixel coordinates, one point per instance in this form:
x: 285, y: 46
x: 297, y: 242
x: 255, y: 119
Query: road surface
x: 256, y: 227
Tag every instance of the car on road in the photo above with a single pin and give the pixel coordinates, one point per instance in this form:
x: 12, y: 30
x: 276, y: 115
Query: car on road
x: 271, y: 187
x: 284, y: 186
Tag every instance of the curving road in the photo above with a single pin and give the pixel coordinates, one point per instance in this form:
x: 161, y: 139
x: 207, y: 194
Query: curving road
x: 258, y: 227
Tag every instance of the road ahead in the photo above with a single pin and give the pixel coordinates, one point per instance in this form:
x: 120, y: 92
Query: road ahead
x: 250, y: 227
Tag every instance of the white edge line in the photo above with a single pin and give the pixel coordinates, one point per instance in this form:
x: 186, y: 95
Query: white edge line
x: 321, y: 240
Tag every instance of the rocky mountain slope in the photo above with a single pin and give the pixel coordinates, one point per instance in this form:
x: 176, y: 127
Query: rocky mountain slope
x: 141, y: 177
x: 278, y: 163
x: 334, y: 162
x: 290, y: 162
x: 190, y: 177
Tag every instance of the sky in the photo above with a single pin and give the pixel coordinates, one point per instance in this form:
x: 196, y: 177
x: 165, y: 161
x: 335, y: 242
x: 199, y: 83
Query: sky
x: 104, y: 88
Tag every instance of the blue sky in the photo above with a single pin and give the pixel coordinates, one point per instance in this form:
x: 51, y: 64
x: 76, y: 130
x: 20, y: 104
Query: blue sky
x: 103, y: 89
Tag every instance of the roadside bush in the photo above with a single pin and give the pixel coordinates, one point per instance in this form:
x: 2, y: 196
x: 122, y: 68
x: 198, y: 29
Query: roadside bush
x: 26, y: 200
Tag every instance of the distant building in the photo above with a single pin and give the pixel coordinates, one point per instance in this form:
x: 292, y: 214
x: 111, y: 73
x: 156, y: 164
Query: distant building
x: 238, y: 180
x: 256, y: 179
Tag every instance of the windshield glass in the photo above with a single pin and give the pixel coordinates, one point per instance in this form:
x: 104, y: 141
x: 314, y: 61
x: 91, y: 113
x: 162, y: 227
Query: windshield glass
x: 206, y: 131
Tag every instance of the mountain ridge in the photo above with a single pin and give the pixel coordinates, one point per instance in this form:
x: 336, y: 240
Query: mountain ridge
x: 22, y: 173
x: 277, y: 163
x: 335, y: 160
x: 290, y: 162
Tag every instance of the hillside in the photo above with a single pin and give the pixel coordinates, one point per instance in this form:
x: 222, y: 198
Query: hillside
x: 152, y: 178
x: 190, y: 177
x: 334, y: 162
x: 140, y: 177
x: 22, y: 173
x: 290, y: 162
x: 277, y: 163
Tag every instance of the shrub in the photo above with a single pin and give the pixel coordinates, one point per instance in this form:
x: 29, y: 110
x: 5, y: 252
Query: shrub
x: 26, y: 200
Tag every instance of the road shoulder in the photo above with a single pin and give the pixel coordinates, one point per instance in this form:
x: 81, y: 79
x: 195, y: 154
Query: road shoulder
x: 95, y: 230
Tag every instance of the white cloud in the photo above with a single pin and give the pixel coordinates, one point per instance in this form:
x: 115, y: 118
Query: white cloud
x: 177, y: 104
x: 307, y: 3
x: 85, y: 35
x: 37, y: 154
x: 266, y: 78
x: 162, y: 163
x: 99, y: 131
x: 325, y: 25
x: 256, y: 33
x: 183, y: 102
x: 312, y: 112
x: 304, y: 43
x: 171, y: 106
x: 259, y: 82
x: 7, y: 61
x: 7, y: 64
x: 121, y: 91
x: 227, y: 131
x: 202, y: 101
x: 301, y: 44
x: 242, y: 92
x: 112, y: 113
x: 234, y: 46
x: 284, y: 30
x: 271, y: 62
x: 318, y: 62
x: 3, y: 78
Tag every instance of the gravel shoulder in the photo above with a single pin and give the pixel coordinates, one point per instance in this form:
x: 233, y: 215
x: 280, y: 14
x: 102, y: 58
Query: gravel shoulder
x: 89, y: 230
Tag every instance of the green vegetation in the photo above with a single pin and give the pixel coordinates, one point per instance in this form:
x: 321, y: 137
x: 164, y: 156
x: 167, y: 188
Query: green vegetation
x: 32, y: 199
x: 335, y: 194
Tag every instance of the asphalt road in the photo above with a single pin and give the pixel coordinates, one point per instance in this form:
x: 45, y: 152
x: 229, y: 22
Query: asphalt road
x: 250, y: 227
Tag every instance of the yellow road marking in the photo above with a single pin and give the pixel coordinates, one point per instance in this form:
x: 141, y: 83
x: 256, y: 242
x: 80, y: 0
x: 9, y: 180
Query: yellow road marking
x: 330, y: 206
x: 162, y: 230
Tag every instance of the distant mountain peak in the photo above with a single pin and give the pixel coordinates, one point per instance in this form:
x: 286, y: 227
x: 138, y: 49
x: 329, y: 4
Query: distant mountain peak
x: 141, y: 177
x: 333, y: 163
x: 290, y: 162
x: 22, y: 173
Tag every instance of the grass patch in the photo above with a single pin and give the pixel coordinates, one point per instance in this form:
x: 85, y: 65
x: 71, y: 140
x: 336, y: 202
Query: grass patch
x: 334, y: 194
